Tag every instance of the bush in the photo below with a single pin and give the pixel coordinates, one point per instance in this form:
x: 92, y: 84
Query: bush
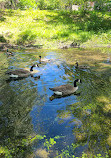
x: 2, y: 38
x: 24, y: 4
x: 48, y: 4
x: 26, y: 37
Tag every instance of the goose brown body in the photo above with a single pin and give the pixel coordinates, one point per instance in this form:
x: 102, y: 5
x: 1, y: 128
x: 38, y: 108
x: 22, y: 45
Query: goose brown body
x: 19, y: 73
x: 81, y: 66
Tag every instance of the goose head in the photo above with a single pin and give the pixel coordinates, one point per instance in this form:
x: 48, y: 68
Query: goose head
x: 39, y: 59
x: 35, y: 65
x: 77, y: 80
x: 76, y: 63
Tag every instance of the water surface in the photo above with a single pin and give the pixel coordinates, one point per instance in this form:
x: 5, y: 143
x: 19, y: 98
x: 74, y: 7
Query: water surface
x: 65, y: 126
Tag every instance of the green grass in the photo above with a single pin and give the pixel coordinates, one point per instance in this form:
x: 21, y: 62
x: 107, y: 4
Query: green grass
x: 55, y: 28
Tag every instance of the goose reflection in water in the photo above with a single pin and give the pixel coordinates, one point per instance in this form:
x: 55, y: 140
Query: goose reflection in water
x: 21, y: 78
x: 54, y: 96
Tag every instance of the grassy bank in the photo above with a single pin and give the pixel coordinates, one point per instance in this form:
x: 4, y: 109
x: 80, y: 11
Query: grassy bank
x: 55, y: 29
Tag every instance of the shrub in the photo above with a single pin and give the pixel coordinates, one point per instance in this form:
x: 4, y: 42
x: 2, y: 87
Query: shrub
x: 26, y: 37
x: 27, y: 4
x: 2, y: 38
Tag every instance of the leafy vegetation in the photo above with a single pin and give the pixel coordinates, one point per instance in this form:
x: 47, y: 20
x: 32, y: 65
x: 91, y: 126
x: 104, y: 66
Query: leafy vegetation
x: 2, y: 39
x: 53, y: 29
x: 21, y: 144
x: 54, y: 4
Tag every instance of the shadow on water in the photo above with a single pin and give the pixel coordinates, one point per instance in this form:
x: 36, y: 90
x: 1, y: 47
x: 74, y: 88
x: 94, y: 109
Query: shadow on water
x: 36, y: 123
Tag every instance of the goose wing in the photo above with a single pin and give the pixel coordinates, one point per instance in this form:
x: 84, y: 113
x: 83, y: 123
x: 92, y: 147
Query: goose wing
x: 84, y: 67
x: 45, y: 60
x: 19, y: 71
x: 62, y: 88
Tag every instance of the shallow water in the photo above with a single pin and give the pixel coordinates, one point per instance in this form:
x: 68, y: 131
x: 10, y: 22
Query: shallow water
x: 65, y: 126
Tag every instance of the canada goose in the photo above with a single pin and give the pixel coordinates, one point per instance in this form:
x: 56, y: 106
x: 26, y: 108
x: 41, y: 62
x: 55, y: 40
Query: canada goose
x: 20, y: 73
x: 9, y: 53
x: 81, y: 66
x: 43, y: 60
x: 67, y: 89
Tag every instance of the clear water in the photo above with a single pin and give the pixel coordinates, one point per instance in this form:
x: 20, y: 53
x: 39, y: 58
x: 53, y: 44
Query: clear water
x: 81, y: 119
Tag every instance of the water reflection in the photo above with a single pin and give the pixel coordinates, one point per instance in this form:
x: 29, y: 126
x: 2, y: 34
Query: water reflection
x: 21, y: 78
x: 17, y: 102
x: 54, y: 96
x: 28, y: 107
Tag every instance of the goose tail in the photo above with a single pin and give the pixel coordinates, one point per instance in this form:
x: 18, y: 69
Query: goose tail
x: 50, y: 88
x: 8, y: 72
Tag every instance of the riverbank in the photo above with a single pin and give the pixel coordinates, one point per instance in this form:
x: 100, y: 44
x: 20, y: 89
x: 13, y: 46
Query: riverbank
x: 4, y: 46
x: 54, y: 29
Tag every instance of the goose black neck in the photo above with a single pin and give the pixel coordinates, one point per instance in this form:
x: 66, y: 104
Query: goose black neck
x: 40, y: 61
x: 77, y: 64
x: 31, y: 69
x: 75, y: 83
